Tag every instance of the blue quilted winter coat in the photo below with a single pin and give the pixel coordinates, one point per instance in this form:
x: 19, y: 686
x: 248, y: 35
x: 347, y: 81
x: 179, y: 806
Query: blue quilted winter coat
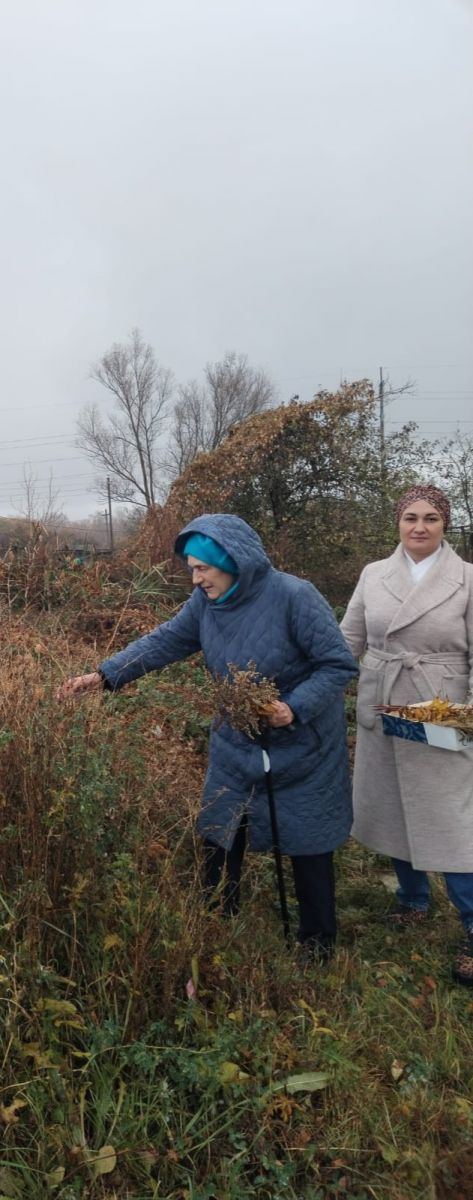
x: 284, y: 625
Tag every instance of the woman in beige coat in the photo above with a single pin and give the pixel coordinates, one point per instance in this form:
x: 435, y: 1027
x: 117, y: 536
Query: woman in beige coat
x: 411, y: 617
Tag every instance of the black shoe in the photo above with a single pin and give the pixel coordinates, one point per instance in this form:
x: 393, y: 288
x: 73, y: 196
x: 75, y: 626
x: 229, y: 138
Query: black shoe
x: 462, y: 969
x: 315, y: 950
x: 403, y: 917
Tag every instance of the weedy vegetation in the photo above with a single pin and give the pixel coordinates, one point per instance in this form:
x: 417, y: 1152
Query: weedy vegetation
x: 150, y: 1048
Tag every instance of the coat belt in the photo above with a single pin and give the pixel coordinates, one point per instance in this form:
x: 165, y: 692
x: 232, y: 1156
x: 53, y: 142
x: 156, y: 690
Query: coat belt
x: 417, y: 663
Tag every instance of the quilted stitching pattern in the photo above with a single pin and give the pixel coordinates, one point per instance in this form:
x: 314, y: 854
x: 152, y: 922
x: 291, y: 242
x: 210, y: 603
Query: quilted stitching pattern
x: 288, y: 629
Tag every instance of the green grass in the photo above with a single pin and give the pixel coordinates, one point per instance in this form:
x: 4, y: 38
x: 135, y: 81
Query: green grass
x: 95, y: 1065
x: 102, y: 926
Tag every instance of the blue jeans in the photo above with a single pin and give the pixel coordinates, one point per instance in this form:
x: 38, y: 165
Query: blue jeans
x: 414, y: 890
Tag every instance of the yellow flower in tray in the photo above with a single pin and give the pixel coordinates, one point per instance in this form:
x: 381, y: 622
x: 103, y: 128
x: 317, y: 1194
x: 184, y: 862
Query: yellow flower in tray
x: 436, y: 712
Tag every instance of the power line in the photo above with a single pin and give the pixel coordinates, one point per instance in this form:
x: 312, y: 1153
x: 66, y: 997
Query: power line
x: 41, y: 437
x: 335, y: 370
x: 22, y: 463
x: 52, y: 404
x: 45, y: 485
x: 83, y: 490
x: 46, y: 478
x: 446, y: 391
x: 435, y: 421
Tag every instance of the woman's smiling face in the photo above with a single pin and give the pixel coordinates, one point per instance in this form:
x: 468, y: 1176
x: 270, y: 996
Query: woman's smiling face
x: 420, y: 529
x: 211, y: 580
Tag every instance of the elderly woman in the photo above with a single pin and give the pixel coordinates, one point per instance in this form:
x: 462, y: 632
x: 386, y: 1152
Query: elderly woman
x: 242, y: 610
x: 411, y: 617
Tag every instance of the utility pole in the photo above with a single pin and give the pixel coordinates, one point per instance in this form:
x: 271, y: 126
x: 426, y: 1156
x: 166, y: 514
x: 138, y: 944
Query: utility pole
x: 387, y: 395
x: 110, y: 526
x: 382, y: 442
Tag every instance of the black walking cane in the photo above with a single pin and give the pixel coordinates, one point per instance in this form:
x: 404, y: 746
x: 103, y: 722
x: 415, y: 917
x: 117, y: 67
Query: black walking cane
x: 264, y: 743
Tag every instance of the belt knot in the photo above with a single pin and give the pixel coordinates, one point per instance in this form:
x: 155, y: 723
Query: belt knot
x: 410, y: 661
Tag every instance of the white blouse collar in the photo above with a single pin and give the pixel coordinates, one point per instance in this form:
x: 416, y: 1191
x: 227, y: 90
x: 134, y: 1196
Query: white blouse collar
x: 418, y: 569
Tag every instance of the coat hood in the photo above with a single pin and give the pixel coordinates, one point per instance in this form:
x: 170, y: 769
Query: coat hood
x: 239, y: 540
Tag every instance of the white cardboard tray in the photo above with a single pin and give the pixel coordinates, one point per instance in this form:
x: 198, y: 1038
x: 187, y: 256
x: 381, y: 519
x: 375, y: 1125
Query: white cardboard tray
x: 444, y: 737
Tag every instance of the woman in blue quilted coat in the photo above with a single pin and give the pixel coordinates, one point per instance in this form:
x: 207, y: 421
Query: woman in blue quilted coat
x: 242, y: 610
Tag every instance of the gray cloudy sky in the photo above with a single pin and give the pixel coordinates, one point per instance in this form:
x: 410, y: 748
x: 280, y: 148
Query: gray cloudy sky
x: 292, y: 179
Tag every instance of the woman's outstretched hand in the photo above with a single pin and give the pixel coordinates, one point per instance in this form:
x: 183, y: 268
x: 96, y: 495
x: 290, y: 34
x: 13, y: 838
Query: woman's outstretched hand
x: 281, y: 715
x: 79, y: 685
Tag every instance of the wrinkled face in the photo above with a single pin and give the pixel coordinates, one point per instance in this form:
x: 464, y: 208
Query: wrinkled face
x: 420, y: 529
x: 211, y: 580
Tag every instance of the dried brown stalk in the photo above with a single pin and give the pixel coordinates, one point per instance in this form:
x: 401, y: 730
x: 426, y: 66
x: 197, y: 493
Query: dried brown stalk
x: 243, y: 698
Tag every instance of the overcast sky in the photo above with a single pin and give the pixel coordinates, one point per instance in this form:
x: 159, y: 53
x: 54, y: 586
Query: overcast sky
x: 292, y: 179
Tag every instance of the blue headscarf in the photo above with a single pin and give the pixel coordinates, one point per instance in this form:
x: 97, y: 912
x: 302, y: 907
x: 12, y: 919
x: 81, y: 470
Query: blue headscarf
x: 209, y: 551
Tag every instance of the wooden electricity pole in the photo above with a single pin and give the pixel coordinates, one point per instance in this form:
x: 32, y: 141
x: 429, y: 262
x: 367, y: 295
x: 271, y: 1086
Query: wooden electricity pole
x: 382, y: 436
x: 110, y: 525
x: 382, y: 442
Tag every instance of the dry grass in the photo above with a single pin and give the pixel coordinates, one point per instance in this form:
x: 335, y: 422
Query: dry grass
x: 103, y: 925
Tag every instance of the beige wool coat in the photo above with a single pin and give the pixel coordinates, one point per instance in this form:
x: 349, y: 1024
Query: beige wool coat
x: 413, y: 801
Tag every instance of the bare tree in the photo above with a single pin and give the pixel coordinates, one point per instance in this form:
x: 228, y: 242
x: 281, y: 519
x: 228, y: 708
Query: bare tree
x: 204, y: 416
x: 189, y: 427
x: 455, y: 469
x: 236, y: 391
x: 40, y: 509
x: 124, y: 443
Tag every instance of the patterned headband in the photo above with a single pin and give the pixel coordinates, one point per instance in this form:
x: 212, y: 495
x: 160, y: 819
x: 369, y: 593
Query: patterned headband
x: 432, y: 495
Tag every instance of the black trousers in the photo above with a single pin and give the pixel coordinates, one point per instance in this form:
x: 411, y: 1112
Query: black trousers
x: 314, y: 882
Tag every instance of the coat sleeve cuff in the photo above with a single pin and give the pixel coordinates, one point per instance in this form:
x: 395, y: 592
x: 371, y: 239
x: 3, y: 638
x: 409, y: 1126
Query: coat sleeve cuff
x: 107, y: 686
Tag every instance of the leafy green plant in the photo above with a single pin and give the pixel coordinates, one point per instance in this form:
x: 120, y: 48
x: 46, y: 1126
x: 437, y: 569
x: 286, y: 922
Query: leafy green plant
x: 267, y: 1078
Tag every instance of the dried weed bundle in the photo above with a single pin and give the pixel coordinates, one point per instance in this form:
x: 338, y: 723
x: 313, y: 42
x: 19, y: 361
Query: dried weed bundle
x: 243, y: 698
